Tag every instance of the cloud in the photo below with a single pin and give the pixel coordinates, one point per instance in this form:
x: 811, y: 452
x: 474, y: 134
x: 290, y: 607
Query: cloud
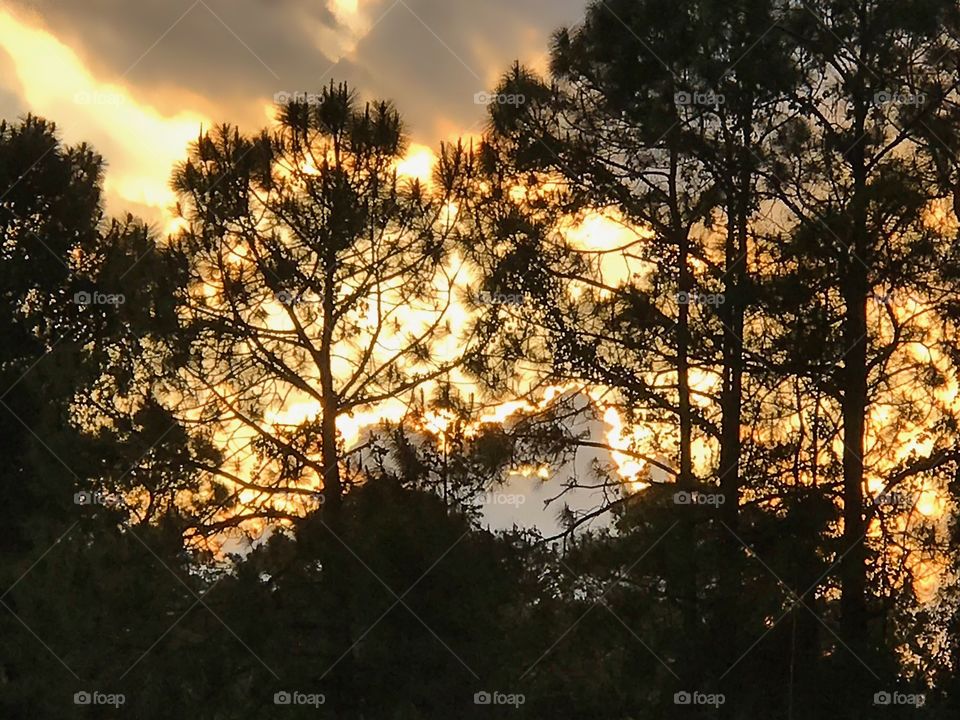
x: 225, y: 51
x: 433, y: 56
x: 139, y: 142
x: 136, y: 79
x: 12, y: 104
x: 229, y: 57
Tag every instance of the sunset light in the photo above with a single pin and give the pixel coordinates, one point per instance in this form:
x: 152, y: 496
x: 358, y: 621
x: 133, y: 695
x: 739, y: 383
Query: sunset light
x: 415, y: 360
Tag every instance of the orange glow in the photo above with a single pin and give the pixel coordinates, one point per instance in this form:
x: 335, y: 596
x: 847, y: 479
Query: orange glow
x: 629, y: 468
x: 940, y: 217
x: 418, y: 163
x: 141, y: 142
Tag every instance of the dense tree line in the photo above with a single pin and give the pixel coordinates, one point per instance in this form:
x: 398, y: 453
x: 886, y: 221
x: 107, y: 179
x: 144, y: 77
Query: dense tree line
x: 782, y: 323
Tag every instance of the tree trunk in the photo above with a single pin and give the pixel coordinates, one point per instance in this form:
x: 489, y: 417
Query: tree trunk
x: 332, y: 487
x: 854, y: 405
x: 338, y: 615
x: 731, y: 405
x: 686, y: 572
x: 732, y: 312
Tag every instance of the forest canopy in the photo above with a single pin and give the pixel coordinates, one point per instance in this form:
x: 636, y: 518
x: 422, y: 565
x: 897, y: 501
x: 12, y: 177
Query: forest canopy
x: 693, y: 292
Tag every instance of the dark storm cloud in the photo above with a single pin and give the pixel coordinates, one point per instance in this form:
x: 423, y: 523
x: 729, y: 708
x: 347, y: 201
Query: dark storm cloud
x: 430, y: 56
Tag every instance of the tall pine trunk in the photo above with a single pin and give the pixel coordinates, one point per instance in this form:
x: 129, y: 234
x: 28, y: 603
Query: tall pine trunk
x: 731, y: 406
x: 338, y: 613
x: 687, y: 572
x: 855, y: 289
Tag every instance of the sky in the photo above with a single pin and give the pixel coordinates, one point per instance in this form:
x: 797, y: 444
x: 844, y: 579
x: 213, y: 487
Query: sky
x: 138, y: 79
